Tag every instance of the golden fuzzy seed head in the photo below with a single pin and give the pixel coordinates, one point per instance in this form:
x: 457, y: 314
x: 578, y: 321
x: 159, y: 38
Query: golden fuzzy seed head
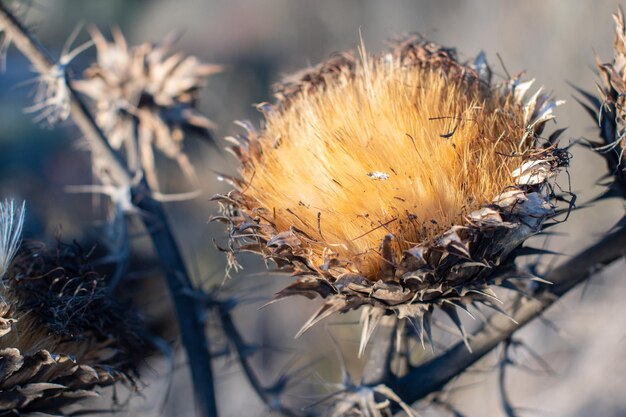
x: 394, y: 184
x: 388, y: 148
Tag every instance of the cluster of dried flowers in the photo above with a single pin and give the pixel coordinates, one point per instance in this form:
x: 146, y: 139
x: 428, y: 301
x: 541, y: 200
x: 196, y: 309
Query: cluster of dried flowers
x: 145, y: 98
x: 64, y: 333
x: 61, y: 333
x: 395, y: 183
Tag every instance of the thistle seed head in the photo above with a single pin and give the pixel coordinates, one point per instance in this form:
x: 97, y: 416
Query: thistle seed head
x: 62, y: 335
x: 397, y: 181
x: 611, y: 107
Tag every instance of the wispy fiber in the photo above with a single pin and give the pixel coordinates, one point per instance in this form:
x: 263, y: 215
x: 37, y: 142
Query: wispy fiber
x: 11, y: 224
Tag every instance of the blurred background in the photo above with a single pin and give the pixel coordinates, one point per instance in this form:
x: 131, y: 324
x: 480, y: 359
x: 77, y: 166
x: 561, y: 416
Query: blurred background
x: 259, y: 41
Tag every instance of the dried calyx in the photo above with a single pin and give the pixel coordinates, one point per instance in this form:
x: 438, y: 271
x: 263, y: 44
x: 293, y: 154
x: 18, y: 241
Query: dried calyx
x: 146, y: 97
x: 62, y: 335
x: 398, y: 182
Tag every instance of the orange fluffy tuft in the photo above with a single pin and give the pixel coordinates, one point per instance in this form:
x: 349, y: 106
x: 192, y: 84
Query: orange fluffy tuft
x: 394, y: 149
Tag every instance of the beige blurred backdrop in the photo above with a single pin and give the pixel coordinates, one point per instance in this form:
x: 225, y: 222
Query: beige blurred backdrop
x: 258, y: 41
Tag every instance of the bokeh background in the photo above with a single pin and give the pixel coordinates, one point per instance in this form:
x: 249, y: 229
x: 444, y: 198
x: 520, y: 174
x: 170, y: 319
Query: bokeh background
x: 258, y: 41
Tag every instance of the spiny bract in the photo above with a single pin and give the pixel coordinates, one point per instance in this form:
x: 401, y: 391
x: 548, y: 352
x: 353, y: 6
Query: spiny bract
x: 397, y: 181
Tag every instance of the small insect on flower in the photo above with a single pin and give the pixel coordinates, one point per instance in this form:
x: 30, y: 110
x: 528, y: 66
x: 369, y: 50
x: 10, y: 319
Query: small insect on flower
x: 465, y: 182
x: 11, y: 224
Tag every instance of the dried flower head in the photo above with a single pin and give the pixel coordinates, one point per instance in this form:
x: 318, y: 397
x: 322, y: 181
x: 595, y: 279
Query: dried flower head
x: 52, y: 99
x: 62, y: 335
x: 364, y: 400
x: 613, y: 85
x: 609, y: 110
x: 397, y: 182
x: 144, y: 98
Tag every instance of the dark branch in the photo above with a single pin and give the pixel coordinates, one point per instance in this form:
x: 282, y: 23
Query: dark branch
x: 505, y: 401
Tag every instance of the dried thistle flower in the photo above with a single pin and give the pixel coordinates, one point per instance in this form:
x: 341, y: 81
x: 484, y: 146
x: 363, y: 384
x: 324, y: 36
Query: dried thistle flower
x: 367, y: 401
x: 611, y: 88
x: 609, y: 110
x: 612, y: 85
x: 62, y: 335
x: 144, y: 98
x: 396, y: 183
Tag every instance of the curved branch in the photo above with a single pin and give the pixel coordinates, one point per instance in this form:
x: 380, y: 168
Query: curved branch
x: 433, y: 375
x: 505, y: 401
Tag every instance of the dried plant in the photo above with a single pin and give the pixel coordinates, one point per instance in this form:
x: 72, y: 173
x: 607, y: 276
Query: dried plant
x: 132, y: 194
x: 145, y: 98
x: 608, y: 110
x: 52, y: 99
x: 612, y: 87
x: 19, y: 8
x: 62, y: 334
x: 395, y: 183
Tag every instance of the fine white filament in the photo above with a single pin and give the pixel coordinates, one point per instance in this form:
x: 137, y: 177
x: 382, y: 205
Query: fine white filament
x: 11, y: 224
